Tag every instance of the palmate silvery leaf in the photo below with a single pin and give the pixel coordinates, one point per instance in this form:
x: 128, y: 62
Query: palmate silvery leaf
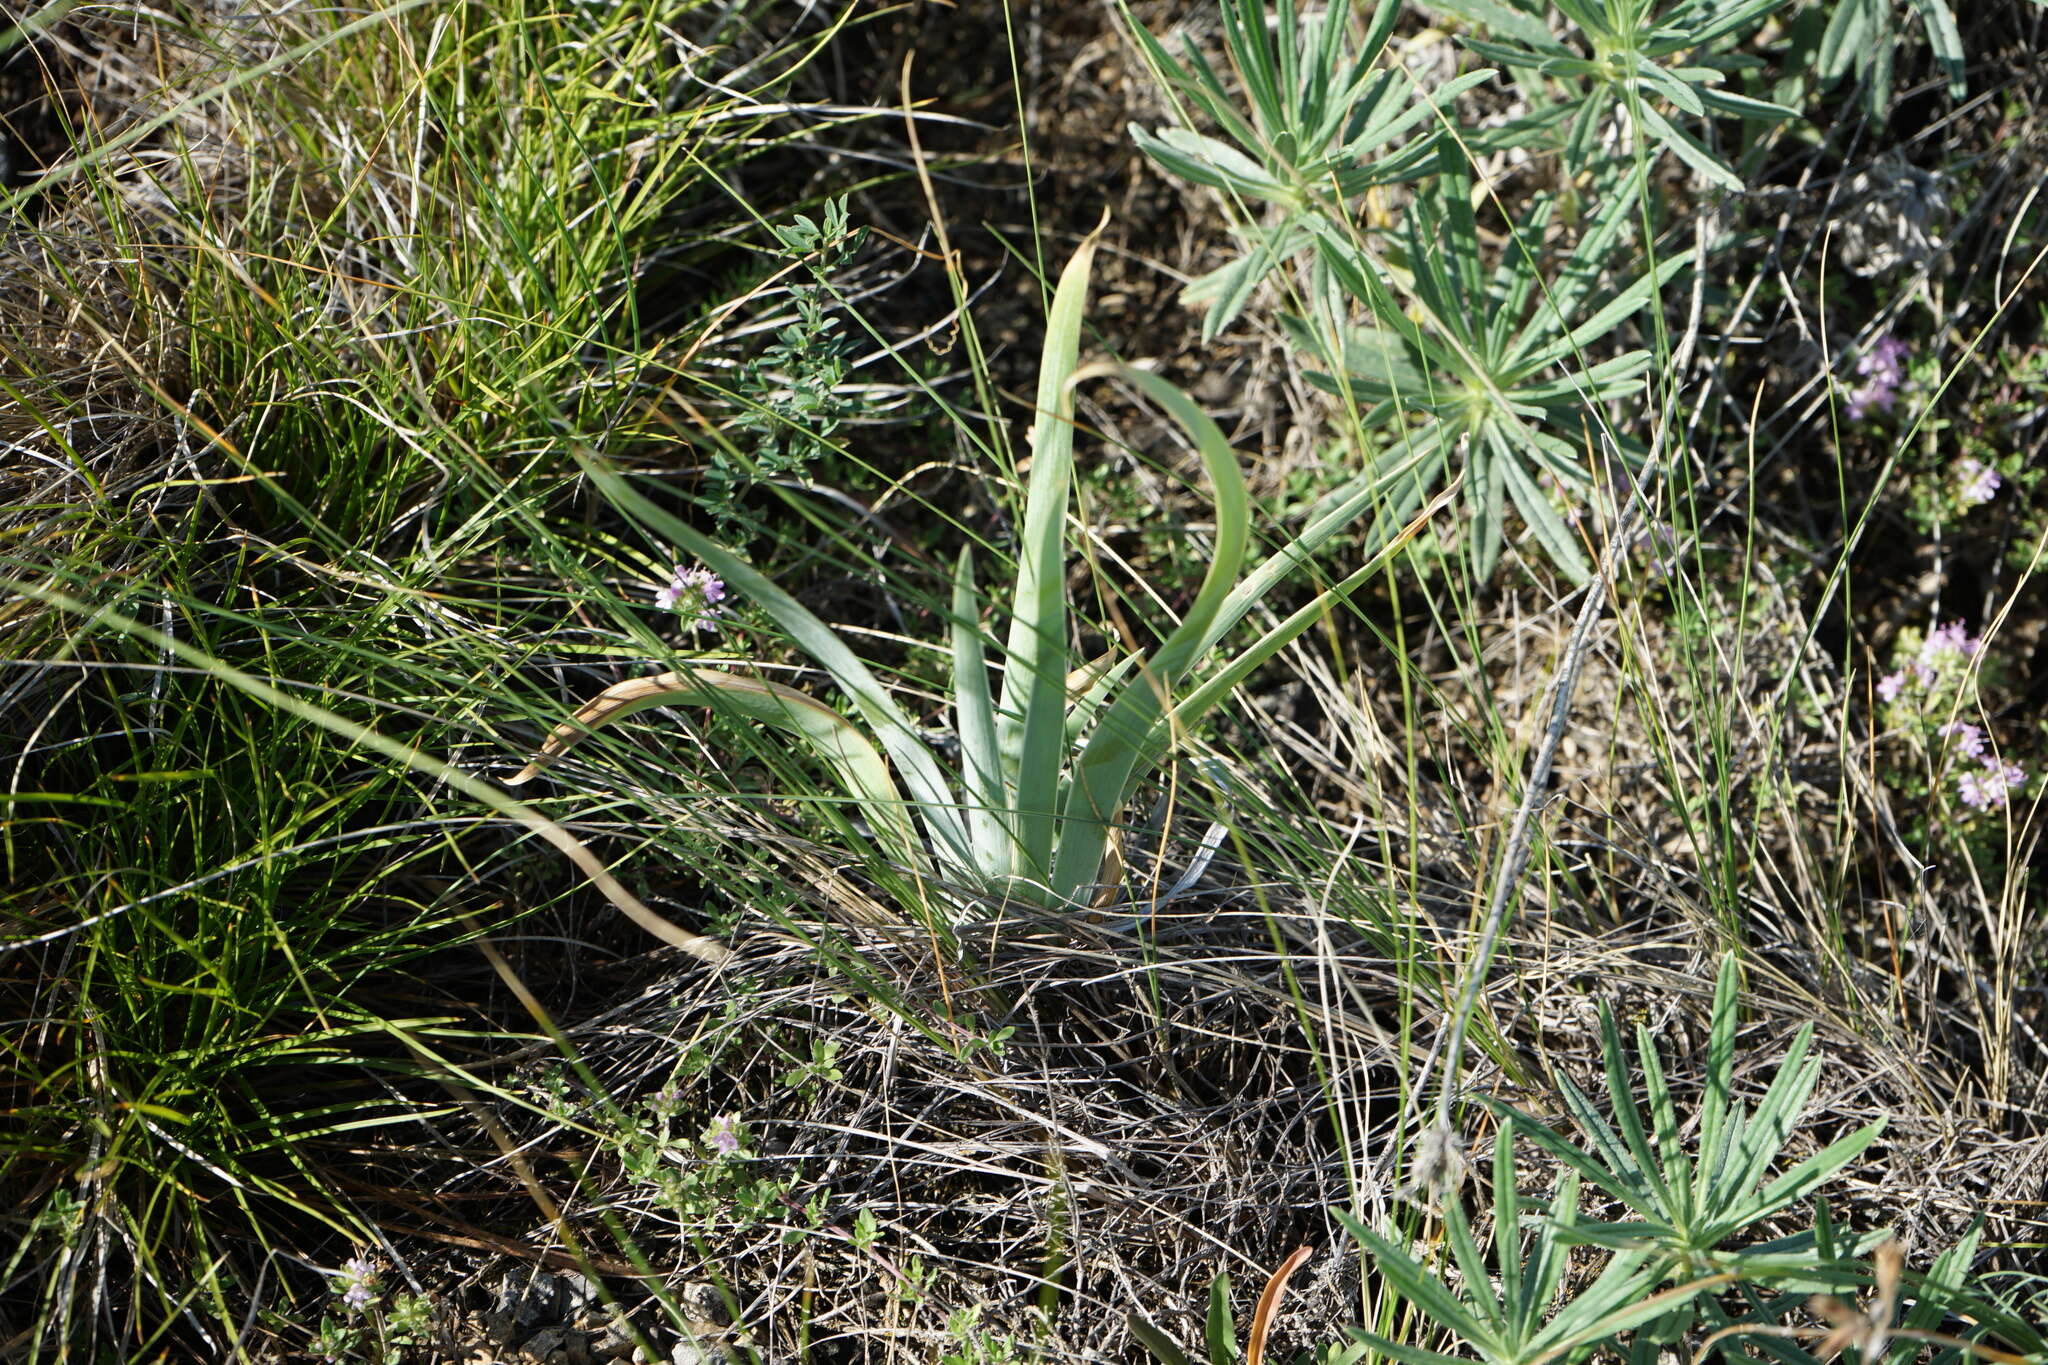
x: 1315, y: 119
x: 1686, y: 147
x: 1496, y: 365
x: 1539, y: 513
x: 1519, y: 1322
x: 1863, y: 35
x: 1389, y: 111
x: 1226, y: 290
x: 1691, y: 1207
x: 1623, y: 70
x: 1208, y: 161
x: 1873, y: 1331
x: 1613, y: 378
x: 1497, y: 16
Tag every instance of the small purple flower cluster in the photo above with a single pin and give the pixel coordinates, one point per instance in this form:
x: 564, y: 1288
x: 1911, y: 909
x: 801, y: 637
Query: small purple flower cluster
x: 357, y: 1283
x: 697, y: 593
x: 1987, y: 788
x: 1945, y: 653
x: 1979, y: 482
x: 1937, y: 680
x: 1883, y: 369
x: 723, y: 1136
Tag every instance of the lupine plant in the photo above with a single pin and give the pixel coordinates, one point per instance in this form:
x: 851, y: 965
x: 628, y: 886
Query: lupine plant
x: 1902, y: 1318
x: 1496, y: 373
x: 1665, y: 1267
x: 1678, y: 1267
x: 1495, y: 362
x: 1689, y: 1208
x: 1862, y: 35
x: 1637, y: 56
x: 1508, y: 1314
x: 1312, y: 139
x: 1049, y: 759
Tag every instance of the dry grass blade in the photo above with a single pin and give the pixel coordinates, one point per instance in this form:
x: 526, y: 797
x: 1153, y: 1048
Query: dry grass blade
x: 859, y: 765
x: 623, y: 699
x: 1269, y: 1304
x: 1869, y: 1331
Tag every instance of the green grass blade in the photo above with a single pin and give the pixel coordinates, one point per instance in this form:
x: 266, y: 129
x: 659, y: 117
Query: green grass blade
x: 34, y: 25
x: 1390, y: 535
x: 1394, y: 492
x: 406, y: 755
x: 1157, y: 1342
x: 974, y: 717
x: 142, y: 128
x: 1031, y: 716
x: 1220, y: 1328
x: 1127, y: 734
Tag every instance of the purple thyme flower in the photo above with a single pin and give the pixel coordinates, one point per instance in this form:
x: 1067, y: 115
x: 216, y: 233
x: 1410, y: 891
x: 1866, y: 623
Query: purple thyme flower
x: 1985, y: 789
x: 1945, y: 652
x: 1980, y: 482
x: 1950, y: 643
x: 358, y: 1288
x: 1883, y: 368
x: 723, y: 1136
x: 1884, y: 363
x: 1969, y: 739
x: 696, y: 593
x: 1979, y: 791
